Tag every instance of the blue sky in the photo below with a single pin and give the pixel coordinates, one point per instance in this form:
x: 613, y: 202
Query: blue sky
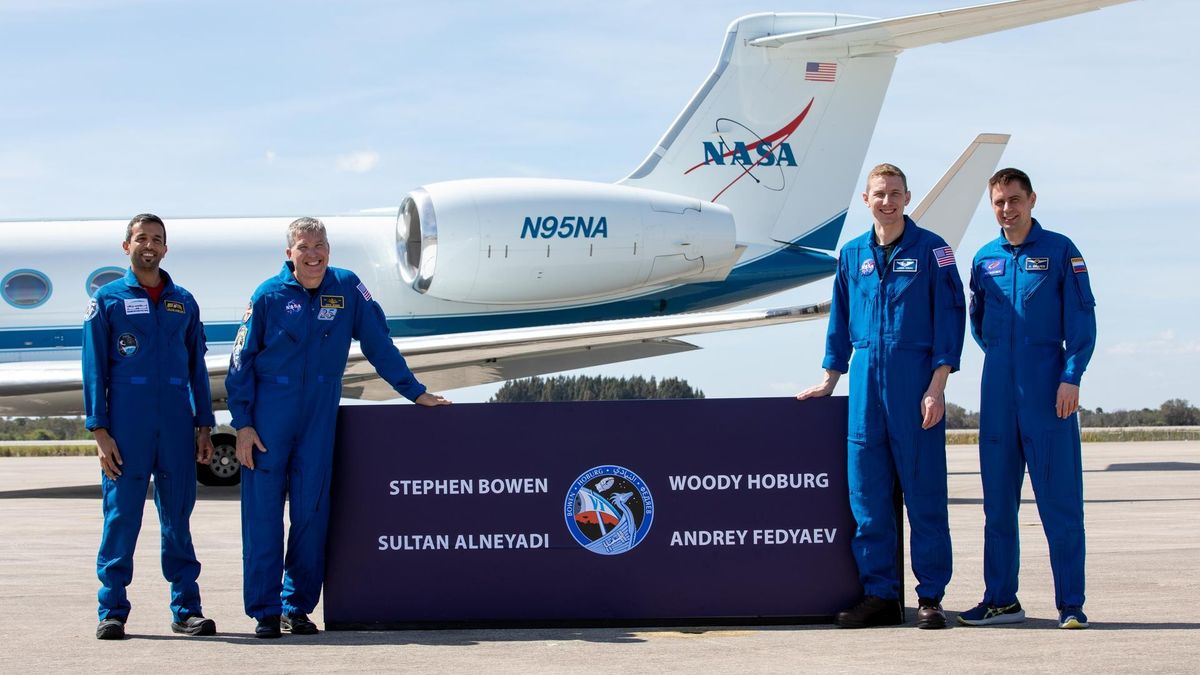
x: 188, y: 108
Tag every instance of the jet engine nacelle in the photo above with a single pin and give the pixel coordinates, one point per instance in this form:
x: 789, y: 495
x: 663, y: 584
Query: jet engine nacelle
x: 528, y: 241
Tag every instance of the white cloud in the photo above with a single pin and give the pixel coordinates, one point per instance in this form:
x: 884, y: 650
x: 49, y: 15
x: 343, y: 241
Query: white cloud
x: 270, y: 156
x: 358, y: 162
x: 1164, y: 343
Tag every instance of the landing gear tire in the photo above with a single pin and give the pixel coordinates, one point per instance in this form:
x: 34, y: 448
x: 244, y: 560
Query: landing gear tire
x: 224, y: 469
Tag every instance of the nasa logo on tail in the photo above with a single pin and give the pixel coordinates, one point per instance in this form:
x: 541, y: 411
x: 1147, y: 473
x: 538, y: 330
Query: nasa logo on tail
x: 762, y: 158
x: 608, y: 510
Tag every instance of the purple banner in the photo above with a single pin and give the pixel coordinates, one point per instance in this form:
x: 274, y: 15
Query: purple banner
x: 594, y: 512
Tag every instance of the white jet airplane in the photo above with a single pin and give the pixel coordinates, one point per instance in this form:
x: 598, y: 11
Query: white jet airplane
x: 492, y: 279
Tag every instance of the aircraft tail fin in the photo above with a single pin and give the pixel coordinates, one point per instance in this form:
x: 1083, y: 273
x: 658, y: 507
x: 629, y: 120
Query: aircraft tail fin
x: 779, y: 130
x: 947, y: 208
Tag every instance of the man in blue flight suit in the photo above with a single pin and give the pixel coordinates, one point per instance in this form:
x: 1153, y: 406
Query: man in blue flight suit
x: 284, y: 384
x: 898, y: 306
x: 145, y: 391
x: 1033, y: 313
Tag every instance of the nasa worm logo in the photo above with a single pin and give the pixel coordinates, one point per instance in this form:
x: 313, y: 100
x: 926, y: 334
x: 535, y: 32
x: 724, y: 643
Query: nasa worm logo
x: 609, y: 509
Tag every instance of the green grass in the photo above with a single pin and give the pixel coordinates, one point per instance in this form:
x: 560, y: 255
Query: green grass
x: 84, y: 449
x: 1113, y: 435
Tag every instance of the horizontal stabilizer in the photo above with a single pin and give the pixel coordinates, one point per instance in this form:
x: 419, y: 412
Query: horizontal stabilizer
x: 948, y: 207
x: 906, y: 32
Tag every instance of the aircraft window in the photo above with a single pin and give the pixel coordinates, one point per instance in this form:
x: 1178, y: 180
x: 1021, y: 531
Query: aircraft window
x: 25, y: 289
x: 103, y: 276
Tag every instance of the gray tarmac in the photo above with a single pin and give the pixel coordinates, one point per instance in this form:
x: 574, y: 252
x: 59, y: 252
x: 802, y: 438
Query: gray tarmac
x: 1143, y: 566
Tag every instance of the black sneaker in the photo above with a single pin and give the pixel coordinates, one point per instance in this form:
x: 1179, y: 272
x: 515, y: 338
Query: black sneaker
x: 872, y: 611
x: 930, y: 614
x: 112, y: 628
x: 267, y: 628
x: 195, y: 625
x: 1072, y: 617
x: 990, y: 615
x: 297, y: 623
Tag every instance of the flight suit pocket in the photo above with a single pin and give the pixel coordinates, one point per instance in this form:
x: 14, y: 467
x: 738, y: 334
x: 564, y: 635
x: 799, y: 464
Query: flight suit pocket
x: 1084, y: 290
x: 1034, y: 285
x: 928, y: 462
x: 859, y: 395
x: 1061, y: 476
x: 902, y: 283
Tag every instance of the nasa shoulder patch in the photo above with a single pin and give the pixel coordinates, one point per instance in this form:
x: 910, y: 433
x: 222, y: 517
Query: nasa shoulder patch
x: 92, y: 309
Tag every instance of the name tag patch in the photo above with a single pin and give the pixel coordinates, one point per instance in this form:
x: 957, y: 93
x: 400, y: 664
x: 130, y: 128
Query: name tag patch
x: 173, y: 306
x: 1037, y: 264
x: 333, y: 301
x: 136, y: 306
x: 994, y: 267
x: 327, y: 313
x: 908, y: 265
x: 868, y: 267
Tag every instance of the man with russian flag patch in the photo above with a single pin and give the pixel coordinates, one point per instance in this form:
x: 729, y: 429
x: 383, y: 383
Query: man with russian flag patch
x: 1033, y: 313
x: 284, y: 384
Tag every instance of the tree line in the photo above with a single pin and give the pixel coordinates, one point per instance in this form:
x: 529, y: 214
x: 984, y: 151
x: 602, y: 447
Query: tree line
x: 592, y: 388
x: 1176, y: 412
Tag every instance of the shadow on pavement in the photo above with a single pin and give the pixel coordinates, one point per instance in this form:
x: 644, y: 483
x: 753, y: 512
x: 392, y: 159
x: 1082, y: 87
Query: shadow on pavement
x: 203, y: 492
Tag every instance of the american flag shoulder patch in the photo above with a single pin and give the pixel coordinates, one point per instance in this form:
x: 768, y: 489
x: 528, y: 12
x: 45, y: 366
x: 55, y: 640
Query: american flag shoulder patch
x: 944, y: 256
x: 362, y: 288
x: 1078, y: 266
x: 816, y: 71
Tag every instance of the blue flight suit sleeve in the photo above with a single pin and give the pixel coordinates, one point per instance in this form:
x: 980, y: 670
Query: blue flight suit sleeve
x: 201, y: 393
x: 978, y: 302
x: 837, y: 336
x: 371, y: 331
x: 1079, y: 317
x: 949, y: 315
x: 95, y: 366
x: 240, y: 381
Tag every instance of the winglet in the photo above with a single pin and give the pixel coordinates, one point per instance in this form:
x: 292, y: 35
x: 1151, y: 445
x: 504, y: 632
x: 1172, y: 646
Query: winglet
x: 948, y: 207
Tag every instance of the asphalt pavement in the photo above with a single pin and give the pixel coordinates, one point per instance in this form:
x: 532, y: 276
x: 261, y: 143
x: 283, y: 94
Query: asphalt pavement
x: 1143, y: 588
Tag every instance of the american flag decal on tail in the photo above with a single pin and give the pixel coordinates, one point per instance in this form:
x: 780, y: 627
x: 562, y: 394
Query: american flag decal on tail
x: 820, y: 72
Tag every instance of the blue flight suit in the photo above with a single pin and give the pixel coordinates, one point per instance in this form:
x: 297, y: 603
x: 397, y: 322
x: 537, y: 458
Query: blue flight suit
x: 1033, y: 313
x: 144, y: 380
x: 285, y: 380
x: 903, y: 318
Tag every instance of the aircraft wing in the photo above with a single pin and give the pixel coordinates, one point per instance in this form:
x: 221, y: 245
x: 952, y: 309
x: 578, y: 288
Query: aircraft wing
x: 906, y: 32
x: 440, y: 361
x: 947, y: 208
x: 465, y: 359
